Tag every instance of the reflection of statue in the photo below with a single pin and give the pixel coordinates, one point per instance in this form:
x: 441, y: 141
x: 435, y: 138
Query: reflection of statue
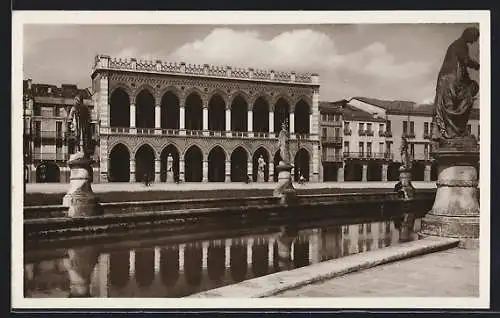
x: 261, y: 166
x: 284, y: 243
x: 406, y: 162
x: 284, y: 144
x: 455, y: 91
x: 80, y: 265
x: 79, y: 120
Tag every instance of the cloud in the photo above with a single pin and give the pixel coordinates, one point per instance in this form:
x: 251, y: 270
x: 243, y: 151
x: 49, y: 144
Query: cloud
x: 300, y: 50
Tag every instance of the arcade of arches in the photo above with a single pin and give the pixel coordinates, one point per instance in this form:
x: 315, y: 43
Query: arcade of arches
x: 193, y: 165
x: 215, y: 114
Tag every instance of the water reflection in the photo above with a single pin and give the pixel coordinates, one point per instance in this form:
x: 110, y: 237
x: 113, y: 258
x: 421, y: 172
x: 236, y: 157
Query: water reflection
x: 178, y: 270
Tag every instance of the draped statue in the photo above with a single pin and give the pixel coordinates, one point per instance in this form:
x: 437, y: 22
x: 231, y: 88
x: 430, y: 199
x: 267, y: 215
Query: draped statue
x: 455, y: 90
x: 284, y: 143
x: 406, y: 163
x: 79, y: 121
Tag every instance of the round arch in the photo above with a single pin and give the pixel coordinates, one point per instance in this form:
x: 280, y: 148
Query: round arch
x: 144, y: 163
x: 145, y: 109
x: 217, y: 164
x: 261, y: 151
x: 301, y: 117
x: 169, y: 170
x: 240, y: 94
x: 47, y: 172
x: 281, y: 113
x: 260, y: 110
x: 119, y: 164
x: 194, y: 111
x: 119, y: 108
x: 216, y: 113
x: 239, y: 165
x: 239, y: 114
x: 193, y: 160
x: 301, y: 164
x: 170, y: 110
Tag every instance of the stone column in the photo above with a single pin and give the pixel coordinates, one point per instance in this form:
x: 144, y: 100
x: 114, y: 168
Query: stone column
x: 132, y: 115
x: 250, y: 123
x: 455, y: 212
x: 132, y: 170
x: 181, y: 170
x: 205, y: 116
x: 292, y: 124
x: 103, y: 159
x: 157, y: 116
x: 384, y: 172
x: 228, y: 171
x: 182, y: 117
x: 271, y: 171
x: 365, y: 173
x: 340, y: 173
x: 271, y: 123
x: 228, y: 121
x: 427, y: 173
x: 157, y: 170
x: 205, y: 170
x: 101, y: 99
x: 315, y: 164
x: 315, y: 111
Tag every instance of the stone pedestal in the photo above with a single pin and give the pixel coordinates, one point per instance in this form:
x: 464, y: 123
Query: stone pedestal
x: 260, y: 176
x: 285, y: 189
x: 170, y: 176
x: 80, y: 264
x: 80, y: 199
x: 455, y: 212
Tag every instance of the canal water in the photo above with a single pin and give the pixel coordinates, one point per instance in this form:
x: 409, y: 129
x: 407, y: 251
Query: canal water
x: 157, y: 268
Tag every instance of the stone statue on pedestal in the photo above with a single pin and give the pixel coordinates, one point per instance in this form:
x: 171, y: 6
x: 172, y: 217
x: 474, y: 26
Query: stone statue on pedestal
x: 80, y: 198
x: 285, y: 189
x: 261, y: 169
x: 455, y: 212
x: 170, y: 170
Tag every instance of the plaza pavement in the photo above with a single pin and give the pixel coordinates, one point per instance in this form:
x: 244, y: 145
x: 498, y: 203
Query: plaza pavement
x: 134, y: 187
x: 450, y: 273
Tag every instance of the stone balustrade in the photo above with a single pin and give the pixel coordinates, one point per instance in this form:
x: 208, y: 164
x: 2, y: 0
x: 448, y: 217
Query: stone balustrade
x: 158, y: 66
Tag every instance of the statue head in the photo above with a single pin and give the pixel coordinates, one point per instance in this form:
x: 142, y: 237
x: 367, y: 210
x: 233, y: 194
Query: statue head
x: 470, y: 35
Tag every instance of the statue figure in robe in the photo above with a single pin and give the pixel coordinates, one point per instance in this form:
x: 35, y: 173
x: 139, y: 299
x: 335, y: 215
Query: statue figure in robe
x: 284, y: 143
x: 79, y: 127
x: 455, y: 90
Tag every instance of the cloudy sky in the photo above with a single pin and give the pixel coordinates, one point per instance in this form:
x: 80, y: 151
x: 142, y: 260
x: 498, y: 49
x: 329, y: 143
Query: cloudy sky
x: 398, y: 61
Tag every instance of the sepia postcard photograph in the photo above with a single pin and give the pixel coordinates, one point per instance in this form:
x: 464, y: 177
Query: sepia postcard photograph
x: 250, y: 159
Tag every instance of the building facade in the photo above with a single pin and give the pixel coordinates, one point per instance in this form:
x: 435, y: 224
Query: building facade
x: 45, y: 142
x: 331, y: 124
x: 214, y: 122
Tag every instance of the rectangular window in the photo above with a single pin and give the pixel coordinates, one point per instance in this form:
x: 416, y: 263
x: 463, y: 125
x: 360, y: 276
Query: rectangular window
x: 36, y: 110
x: 361, y: 126
x: 388, y: 126
x: 323, y: 131
x: 323, y: 117
x: 388, y: 146
x: 469, y: 128
x: 431, y: 126
x: 369, y: 149
x: 380, y: 127
x: 426, y: 152
x: 412, y: 128
x: 330, y: 117
x: 369, y: 127
x: 426, y: 128
x: 346, y: 124
x: 346, y: 146
x: 361, y: 148
x: 337, y: 132
x: 381, y: 147
x: 412, y: 150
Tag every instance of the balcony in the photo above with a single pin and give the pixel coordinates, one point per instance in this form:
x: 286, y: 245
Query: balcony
x: 302, y: 136
x: 332, y: 158
x: 369, y: 133
x: 331, y: 140
x: 361, y: 132
x: 347, y: 132
x: 368, y: 155
x: 50, y: 156
x: 381, y: 133
x: 409, y: 135
x: 427, y: 135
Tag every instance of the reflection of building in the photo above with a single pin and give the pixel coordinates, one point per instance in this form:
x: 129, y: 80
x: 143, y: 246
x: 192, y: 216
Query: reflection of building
x: 215, y: 121
x: 372, y: 132
x: 44, y: 136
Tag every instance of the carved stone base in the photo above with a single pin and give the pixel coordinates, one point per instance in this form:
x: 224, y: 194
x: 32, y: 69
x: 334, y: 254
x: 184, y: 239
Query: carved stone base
x: 170, y: 177
x: 455, y: 212
x: 285, y: 189
x: 80, y: 199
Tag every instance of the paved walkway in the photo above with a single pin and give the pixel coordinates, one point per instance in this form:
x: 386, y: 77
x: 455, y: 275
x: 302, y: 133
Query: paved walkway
x: 450, y: 273
x: 133, y: 187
